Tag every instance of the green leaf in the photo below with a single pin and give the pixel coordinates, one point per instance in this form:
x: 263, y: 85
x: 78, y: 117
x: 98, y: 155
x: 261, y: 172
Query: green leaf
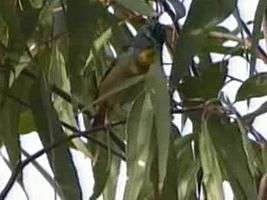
x: 212, y: 174
x: 9, y: 121
x: 10, y: 116
x: 182, y: 170
x: 9, y: 12
x: 228, y: 143
x: 256, y: 86
x: 139, y: 6
x: 101, y: 167
x: 257, y: 25
x: 203, y: 15
x: 99, y: 43
x: 111, y: 184
x: 139, y: 129
x: 26, y: 122
x: 57, y: 76
x: 105, y: 167
x: 28, y: 18
x: 50, y: 131
x: 157, y: 85
x: 201, y: 87
x: 82, y: 18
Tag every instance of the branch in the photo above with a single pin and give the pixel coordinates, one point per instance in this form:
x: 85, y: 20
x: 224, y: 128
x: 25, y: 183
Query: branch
x: 187, y: 109
x: 244, y: 127
x: 115, y: 139
x: 246, y: 43
x: 171, y: 14
x: 259, y: 51
x: 64, y: 95
x: 20, y: 166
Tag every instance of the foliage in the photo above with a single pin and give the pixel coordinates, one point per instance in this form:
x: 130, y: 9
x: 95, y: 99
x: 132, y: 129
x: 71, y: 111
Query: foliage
x: 63, y: 60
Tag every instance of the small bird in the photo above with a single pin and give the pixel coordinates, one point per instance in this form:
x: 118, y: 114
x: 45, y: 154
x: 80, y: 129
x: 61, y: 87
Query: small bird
x: 135, y: 61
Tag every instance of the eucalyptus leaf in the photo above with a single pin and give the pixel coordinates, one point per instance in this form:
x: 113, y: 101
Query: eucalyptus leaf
x: 228, y: 144
x: 157, y: 84
x: 50, y: 131
x: 82, y: 18
x: 139, y: 6
x: 203, y: 15
x: 255, y: 86
x: 200, y: 87
x: 139, y: 129
x: 26, y: 122
x: 212, y: 174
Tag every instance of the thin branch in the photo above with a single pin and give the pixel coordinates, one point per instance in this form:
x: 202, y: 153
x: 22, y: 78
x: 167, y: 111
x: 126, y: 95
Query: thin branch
x: 64, y: 95
x: 243, y: 125
x: 232, y: 78
x: 246, y: 43
x: 115, y: 139
x: 171, y: 14
x: 20, y: 166
x: 187, y: 109
x: 259, y: 51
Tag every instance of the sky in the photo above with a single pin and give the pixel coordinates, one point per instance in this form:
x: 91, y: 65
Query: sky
x: 39, y: 189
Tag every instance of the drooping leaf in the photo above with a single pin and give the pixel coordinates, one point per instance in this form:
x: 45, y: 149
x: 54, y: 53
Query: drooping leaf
x: 182, y: 170
x: 139, y: 6
x: 139, y: 128
x: 50, y: 131
x: 212, y: 174
x: 28, y: 18
x: 101, y: 167
x: 9, y: 12
x: 26, y: 122
x: 82, y: 18
x: 256, y: 33
x: 203, y: 15
x: 200, y: 87
x: 10, y: 116
x: 256, y: 86
x: 105, y: 166
x: 111, y: 184
x: 9, y: 121
x: 157, y: 85
x: 228, y: 145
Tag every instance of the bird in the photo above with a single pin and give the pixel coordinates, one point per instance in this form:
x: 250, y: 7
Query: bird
x: 136, y: 61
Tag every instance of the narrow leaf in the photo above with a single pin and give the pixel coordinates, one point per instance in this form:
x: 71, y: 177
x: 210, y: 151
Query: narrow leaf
x: 256, y: 86
x: 139, y: 128
x: 157, y: 85
x: 50, y: 130
x: 212, y: 174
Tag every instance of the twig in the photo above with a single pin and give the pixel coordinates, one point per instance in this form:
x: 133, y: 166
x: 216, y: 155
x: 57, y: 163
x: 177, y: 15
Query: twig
x: 243, y: 125
x: 187, y: 109
x: 19, y: 167
x: 234, y: 79
x: 171, y: 14
x: 259, y: 51
x: 64, y: 95
x: 115, y: 139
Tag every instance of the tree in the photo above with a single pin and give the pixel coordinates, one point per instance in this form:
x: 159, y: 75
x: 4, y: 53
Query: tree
x: 63, y: 60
